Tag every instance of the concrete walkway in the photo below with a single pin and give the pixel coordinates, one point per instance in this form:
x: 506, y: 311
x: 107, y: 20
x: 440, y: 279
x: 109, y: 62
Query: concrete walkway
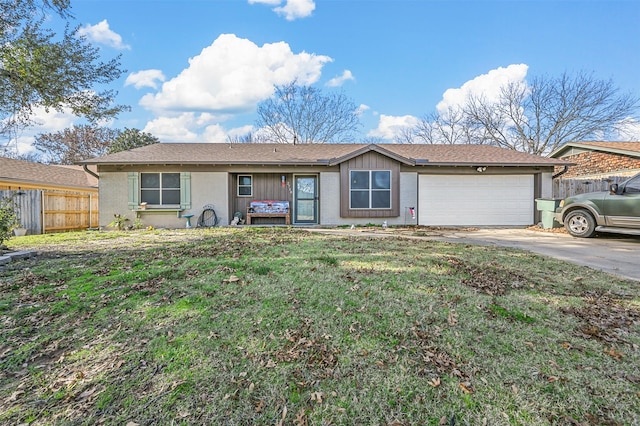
x: 615, y: 254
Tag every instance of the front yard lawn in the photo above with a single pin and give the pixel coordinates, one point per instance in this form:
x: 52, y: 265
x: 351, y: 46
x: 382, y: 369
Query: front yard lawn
x: 276, y: 326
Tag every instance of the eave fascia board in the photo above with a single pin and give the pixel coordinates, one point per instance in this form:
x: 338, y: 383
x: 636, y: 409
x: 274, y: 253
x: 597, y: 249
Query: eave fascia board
x: 560, y: 151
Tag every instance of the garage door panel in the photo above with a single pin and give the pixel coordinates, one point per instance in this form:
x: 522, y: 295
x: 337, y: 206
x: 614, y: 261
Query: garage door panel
x: 476, y: 200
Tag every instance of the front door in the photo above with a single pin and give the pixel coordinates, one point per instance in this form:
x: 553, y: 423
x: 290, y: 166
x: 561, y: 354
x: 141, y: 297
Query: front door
x: 305, y: 208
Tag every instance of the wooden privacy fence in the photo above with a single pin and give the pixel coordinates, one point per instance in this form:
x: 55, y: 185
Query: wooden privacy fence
x: 42, y: 211
x: 563, y: 188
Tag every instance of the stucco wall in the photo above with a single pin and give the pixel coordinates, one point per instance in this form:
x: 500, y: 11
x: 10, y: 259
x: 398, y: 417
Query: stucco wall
x: 210, y: 188
x: 206, y: 188
x: 547, y: 185
x: 113, y: 197
x: 330, y: 202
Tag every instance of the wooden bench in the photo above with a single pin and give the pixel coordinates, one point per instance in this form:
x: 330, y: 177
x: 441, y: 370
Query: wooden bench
x: 268, y: 208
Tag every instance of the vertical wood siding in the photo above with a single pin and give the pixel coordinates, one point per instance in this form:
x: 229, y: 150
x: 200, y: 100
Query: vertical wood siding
x: 266, y: 186
x: 370, y: 161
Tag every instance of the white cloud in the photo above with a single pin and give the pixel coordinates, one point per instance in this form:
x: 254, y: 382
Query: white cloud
x: 362, y: 108
x: 192, y: 127
x: 145, y: 78
x: 233, y: 75
x: 391, y: 126
x: 175, y: 129
x: 339, y: 81
x: 292, y: 9
x: 295, y: 9
x: 628, y: 130
x: 241, y: 131
x: 44, y: 122
x: 487, y: 85
x: 101, y: 33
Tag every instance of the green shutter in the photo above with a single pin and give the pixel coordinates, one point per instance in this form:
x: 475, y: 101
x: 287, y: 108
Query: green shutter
x: 133, y: 190
x: 185, y: 190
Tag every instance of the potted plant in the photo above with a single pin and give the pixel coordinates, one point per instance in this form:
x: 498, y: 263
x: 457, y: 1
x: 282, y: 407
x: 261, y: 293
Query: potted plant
x: 20, y: 231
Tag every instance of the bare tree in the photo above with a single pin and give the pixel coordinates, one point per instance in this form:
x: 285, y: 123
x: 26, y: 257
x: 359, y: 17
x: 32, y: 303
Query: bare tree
x: 450, y: 127
x: 76, y: 144
x: 251, y: 137
x: 302, y: 114
x: 406, y: 135
x: 537, y: 117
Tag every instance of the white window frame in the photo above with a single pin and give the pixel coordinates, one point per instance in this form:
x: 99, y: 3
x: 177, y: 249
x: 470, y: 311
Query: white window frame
x: 250, y: 186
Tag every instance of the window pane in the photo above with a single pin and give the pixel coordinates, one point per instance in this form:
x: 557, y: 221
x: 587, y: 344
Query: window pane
x: 381, y: 199
x: 149, y: 180
x: 244, y: 190
x: 359, y: 199
x: 381, y: 180
x: 305, y: 188
x: 359, y: 180
x: 170, y: 180
x: 305, y: 210
x: 150, y: 196
x: 244, y: 180
x: 170, y: 196
x: 633, y: 187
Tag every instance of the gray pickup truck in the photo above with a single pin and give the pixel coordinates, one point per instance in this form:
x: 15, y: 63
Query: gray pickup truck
x: 616, y: 210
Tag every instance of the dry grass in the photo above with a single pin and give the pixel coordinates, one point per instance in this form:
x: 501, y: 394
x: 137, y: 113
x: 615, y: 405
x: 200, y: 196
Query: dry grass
x: 279, y: 326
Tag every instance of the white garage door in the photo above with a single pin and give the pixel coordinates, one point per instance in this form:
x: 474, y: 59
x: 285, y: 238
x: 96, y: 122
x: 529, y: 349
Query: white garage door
x: 475, y: 200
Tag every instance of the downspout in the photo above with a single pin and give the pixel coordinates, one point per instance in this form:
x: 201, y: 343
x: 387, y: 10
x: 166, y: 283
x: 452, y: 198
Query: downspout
x: 561, y: 172
x: 86, y: 169
x: 95, y: 175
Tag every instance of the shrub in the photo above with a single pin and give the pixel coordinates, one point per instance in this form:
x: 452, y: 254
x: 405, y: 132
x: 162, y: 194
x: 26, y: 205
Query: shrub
x: 8, y: 218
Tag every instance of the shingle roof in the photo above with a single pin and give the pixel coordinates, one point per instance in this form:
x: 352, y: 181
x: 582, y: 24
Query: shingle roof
x: 625, y: 148
x: 319, y: 154
x: 37, y: 173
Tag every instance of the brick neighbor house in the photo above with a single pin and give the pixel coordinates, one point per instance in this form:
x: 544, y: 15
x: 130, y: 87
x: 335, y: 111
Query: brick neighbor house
x: 595, y: 166
x: 597, y: 160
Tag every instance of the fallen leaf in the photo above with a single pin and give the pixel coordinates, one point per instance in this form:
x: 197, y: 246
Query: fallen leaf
x: 466, y: 387
x: 435, y: 382
x: 614, y: 354
x: 453, y: 318
x: 232, y: 279
x: 301, y: 418
x: 317, y: 397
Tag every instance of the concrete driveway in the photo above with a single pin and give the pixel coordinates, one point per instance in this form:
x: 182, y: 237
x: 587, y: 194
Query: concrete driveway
x: 615, y: 254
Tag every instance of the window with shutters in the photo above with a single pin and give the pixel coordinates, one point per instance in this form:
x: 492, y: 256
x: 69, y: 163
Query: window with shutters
x: 160, y: 190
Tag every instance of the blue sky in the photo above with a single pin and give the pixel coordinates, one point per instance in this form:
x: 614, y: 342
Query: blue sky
x: 196, y: 69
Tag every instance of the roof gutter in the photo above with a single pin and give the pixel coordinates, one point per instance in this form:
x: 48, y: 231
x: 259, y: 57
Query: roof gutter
x: 85, y: 167
x: 561, y: 172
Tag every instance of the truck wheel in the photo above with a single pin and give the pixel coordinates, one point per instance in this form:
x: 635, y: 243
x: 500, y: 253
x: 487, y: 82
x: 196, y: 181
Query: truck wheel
x: 580, y: 223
